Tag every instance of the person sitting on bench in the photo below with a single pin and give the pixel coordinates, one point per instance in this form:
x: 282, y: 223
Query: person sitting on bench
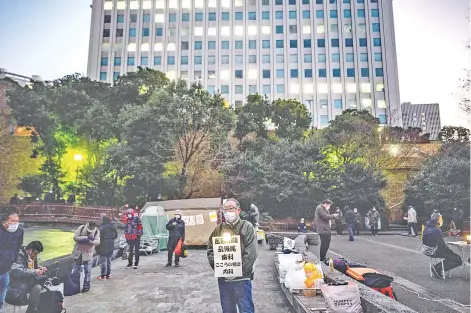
x: 434, y: 246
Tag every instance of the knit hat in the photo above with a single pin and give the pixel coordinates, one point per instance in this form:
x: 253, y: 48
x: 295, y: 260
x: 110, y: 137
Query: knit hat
x: 178, y: 212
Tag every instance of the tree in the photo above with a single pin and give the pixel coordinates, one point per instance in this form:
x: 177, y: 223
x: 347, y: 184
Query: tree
x: 253, y: 117
x: 443, y: 182
x: 291, y: 118
x: 454, y: 134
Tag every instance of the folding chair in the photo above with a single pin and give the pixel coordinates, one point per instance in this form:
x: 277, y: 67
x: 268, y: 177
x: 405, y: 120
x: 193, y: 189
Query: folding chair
x: 433, y: 261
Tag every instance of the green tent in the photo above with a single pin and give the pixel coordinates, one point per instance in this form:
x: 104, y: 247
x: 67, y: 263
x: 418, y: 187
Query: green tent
x: 154, y: 220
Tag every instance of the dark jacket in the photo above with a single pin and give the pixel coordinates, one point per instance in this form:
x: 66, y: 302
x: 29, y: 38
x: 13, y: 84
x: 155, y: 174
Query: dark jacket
x: 432, y: 235
x: 10, y: 244
x: 108, y: 235
x: 248, y: 240
x: 302, y: 227
x: 176, y: 232
x: 350, y: 217
x: 22, y: 279
x: 322, y: 218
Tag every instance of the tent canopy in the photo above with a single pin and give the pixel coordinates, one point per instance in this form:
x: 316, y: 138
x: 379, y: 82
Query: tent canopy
x: 154, y: 220
x: 200, y: 216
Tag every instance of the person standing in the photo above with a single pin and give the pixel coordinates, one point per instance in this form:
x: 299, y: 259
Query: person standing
x: 357, y: 221
x: 339, y: 222
x: 457, y: 218
x: 321, y: 225
x: 11, y: 240
x: 350, y: 220
x: 302, y: 226
x: 236, y: 293
x: 27, y: 277
x: 108, y: 235
x: 86, y: 237
x: 412, y: 221
x: 437, y: 216
x: 373, y: 217
x: 176, y: 228
x: 133, y: 233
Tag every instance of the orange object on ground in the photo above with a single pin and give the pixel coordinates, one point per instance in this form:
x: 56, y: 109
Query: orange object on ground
x: 357, y: 272
x: 388, y: 292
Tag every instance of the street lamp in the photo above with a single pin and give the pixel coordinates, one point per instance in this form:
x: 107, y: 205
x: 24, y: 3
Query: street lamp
x: 78, y: 158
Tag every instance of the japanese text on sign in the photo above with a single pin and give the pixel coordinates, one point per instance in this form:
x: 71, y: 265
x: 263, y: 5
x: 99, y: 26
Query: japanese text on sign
x: 227, y: 257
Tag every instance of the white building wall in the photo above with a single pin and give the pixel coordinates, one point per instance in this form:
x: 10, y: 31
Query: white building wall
x: 318, y: 93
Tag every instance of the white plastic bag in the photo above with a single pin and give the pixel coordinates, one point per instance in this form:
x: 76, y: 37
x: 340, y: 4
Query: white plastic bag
x: 343, y: 299
x: 295, y: 279
x: 288, y: 243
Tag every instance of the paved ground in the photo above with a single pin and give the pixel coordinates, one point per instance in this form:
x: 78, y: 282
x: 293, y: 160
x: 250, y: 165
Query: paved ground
x: 400, y: 257
x: 189, y: 288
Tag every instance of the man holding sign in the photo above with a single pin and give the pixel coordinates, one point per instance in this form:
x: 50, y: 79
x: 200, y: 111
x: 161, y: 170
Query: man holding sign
x: 232, y: 251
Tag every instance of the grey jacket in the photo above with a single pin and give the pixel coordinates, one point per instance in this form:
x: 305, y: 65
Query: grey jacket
x: 85, y: 243
x: 322, y: 218
x: 248, y: 245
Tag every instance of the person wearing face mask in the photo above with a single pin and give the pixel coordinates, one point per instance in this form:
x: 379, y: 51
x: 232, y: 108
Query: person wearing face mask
x: 176, y: 229
x: 86, y: 237
x: 11, y: 240
x: 321, y: 225
x: 356, y: 229
x: 132, y: 233
x: 236, y: 292
x: 373, y: 217
x: 27, y: 278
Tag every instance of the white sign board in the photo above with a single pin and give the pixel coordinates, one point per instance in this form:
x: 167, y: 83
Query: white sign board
x: 199, y: 219
x: 227, y: 257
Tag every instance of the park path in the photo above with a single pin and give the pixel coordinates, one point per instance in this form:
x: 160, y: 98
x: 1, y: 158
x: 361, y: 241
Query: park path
x: 189, y: 288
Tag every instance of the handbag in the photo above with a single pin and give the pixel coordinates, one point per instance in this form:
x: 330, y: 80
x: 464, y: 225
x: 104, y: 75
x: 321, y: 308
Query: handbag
x: 343, y: 299
x: 185, y: 251
x: 178, y: 248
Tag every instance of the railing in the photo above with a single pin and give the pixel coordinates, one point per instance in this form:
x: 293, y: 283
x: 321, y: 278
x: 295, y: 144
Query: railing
x: 44, y: 212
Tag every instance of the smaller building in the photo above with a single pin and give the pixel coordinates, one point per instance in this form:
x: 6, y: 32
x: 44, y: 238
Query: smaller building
x: 424, y: 116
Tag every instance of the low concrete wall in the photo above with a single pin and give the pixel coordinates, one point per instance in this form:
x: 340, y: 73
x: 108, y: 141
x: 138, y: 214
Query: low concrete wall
x: 372, y: 301
x: 275, y: 238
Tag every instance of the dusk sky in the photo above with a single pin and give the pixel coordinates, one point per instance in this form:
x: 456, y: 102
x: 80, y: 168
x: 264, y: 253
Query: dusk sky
x: 50, y: 38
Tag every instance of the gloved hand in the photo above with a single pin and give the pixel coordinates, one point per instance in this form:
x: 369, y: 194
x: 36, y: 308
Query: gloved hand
x: 86, y: 240
x: 91, y: 238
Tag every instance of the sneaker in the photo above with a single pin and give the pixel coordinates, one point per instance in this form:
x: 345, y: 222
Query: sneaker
x: 101, y: 278
x: 176, y: 265
x: 135, y: 267
x: 168, y: 265
x: 108, y: 277
x: 129, y: 266
x: 85, y: 290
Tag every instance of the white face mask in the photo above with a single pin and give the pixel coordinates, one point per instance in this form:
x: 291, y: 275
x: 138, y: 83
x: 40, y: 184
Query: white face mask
x: 355, y: 211
x: 178, y: 217
x: 13, y: 227
x: 230, y: 216
x: 129, y: 215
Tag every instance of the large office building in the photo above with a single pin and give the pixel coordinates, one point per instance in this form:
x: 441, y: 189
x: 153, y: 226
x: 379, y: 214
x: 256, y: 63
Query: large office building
x: 332, y: 55
x: 424, y: 116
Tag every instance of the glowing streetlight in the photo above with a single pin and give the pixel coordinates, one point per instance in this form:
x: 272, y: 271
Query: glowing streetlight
x: 394, y: 150
x: 78, y: 158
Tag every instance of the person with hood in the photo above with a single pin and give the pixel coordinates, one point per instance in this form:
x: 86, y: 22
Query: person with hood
x: 373, y: 217
x: 27, y: 278
x: 321, y: 225
x: 356, y: 230
x: 302, y: 226
x: 433, y: 245
x: 437, y: 216
x: 108, y: 235
x: 412, y: 221
x: 457, y: 218
x: 236, y: 292
x: 133, y: 233
x: 176, y: 229
x: 11, y: 240
x: 350, y: 220
x: 86, y: 237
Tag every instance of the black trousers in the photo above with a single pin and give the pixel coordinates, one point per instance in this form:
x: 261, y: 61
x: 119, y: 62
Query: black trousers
x: 172, y: 244
x: 134, y: 246
x: 325, y: 244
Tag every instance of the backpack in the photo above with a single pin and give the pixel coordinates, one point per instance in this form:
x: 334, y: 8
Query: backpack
x: 51, y: 302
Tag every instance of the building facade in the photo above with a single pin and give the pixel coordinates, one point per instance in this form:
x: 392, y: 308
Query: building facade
x: 331, y: 55
x: 424, y: 116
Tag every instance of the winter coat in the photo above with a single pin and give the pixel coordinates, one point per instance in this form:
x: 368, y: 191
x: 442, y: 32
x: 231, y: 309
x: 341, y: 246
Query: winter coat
x: 10, y: 244
x: 302, y: 227
x: 85, y: 243
x: 108, y: 235
x: 349, y: 217
x: 322, y: 218
x: 133, y: 228
x: 175, y: 232
x: 412, y: 216
x: 373, y: 216
x: 357, y: 217
x: 339, y: 220
x: 432, y: 237
x: 248, y: 246
x: 22, y: 279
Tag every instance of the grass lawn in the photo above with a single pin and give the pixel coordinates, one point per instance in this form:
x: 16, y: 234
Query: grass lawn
x: 56, y: 242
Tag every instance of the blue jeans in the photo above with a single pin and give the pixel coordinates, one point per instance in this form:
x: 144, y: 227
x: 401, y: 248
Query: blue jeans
x: 236, y: 295
x: 105, y: 265
x: 350, y: 229
x: 87, y: 271
x: 4, y: 283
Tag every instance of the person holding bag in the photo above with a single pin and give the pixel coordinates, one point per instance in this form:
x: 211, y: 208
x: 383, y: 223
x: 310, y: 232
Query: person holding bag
x: 176, y: 237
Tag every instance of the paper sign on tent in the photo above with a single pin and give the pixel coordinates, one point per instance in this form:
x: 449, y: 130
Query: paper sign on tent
x: 213, y: 216
x: 200, y: 219
x: 191, y: 220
